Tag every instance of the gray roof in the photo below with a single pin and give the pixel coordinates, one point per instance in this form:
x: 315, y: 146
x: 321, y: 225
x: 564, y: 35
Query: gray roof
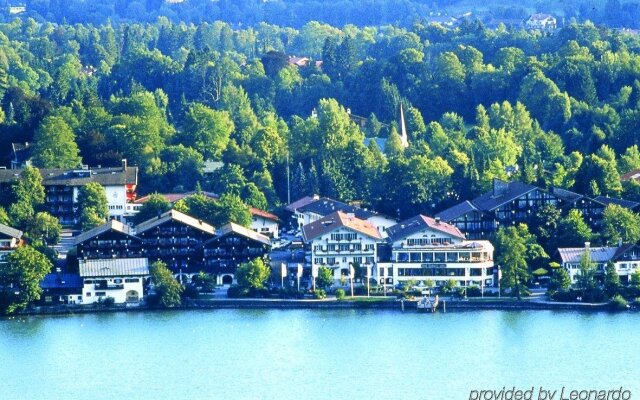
x: 240, y: 230
x: 502, y: 193
x: 456, y: 211
x: 114, y: 267
x: 176, y: 216
x: 79, y: 177
x: 61, y: 281
x: 621, y: 202
x: 419, y: 223
x: 325, y: 206
x: 566, y: 195
x: 9, y: 231
x: 573, y: 255
x: 112, y: 225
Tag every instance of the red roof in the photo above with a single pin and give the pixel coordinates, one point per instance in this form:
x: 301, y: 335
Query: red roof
x: 635, y: 175
x: 264, y: 214
x: 338, y: 220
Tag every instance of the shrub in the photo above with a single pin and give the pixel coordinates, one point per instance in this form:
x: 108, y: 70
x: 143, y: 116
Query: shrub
x: 474, y: 291
x: 340, y: 294
x: 236, y: 291
x: 565, y: 295
x: 618, y: 303
x: 319, y: 294
x: 190, y: 292
x: 109, y: 302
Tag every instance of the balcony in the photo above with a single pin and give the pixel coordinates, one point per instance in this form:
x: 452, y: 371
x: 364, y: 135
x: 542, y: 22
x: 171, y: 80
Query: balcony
x: 107, y: 286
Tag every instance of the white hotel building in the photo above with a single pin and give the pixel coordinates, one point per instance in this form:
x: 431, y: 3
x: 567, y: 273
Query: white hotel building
x: 341, y: 239
x: 424, y: 248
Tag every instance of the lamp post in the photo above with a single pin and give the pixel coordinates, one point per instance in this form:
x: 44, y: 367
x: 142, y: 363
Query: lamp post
x: 368, y: 277
x: 283, y: 274
x: 299, y: 275
x: 314, y: 275
x: 499, y: 279
x: 352, y: 273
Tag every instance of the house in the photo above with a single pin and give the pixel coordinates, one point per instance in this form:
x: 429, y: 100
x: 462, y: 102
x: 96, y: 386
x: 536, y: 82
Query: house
x: 265, y: 223
x: 325, y: 206
x: 231, y: 246
x: 261, y: 221
x: 631, y: 205
x: 10, y: 240
x: 591, y: 209
x: 176, y: 239
x: 571, y: 258
x: 298, y: 61
x: 112, y: 239
x: 625, y: 258
x: 61, y: 288
x: 340, y: 240
x: 20, y: 155
x: 63, y: 185
x: 508, y: 203
x: 633, y: 175
x: 425, y: 248
x: 119, y: 278
x: 17, y: 10
x: 542, y: 22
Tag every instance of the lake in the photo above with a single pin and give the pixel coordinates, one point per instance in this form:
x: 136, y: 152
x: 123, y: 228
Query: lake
x: 314, y: 354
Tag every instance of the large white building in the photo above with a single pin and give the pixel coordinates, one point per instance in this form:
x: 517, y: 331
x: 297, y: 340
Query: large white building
x: 340, y: 240
x: 423, y: 248
x: 10, y: 239
x: 120, y: 278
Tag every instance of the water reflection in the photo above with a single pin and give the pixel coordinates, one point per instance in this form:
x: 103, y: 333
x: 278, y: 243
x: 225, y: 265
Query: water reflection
x: 21, y: 326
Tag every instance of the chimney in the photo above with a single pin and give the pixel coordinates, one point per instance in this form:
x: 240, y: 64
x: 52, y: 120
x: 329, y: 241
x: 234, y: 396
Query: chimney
x: 437, y: 219
x: 620, y: 242
x: 499, y: 187
x: 124, y: 164
x: 587, y: 245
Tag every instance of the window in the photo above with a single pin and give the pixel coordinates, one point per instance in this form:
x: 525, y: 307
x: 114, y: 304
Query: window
x: 132, y: 280
x: 331, y: 260
x: 318, y: 261
x: 100, y: 294
x: 88, y: 294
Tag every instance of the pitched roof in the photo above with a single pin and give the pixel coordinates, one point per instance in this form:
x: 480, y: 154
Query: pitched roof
x: 420, y: 223
x: 502, y: 193
x: 240, y: 230
x: 61, y: 281
x: 114, y: 267
x: 337, y: 220
x: 325, y: 206
x: 176, y: 216
x: 70, y: 177
x: 456, y: 211
x: 621, y: 202
x: 539, y: 17
x: 598, y: 254
x: 566, y: 195
x: 9, y: 231
x: 256, y: 212
x: 635, y: 175
x: 301, y: 203
x: 111, y: 225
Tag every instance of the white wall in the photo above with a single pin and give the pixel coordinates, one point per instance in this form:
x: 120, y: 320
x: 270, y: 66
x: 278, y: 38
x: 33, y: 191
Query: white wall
x: 264, y: 226
x: 91, y: 295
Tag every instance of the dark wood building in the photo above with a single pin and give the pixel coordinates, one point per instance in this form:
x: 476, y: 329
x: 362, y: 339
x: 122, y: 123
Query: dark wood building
x: 176, y: 239
x: 110, y: 240
x: 232, y: 245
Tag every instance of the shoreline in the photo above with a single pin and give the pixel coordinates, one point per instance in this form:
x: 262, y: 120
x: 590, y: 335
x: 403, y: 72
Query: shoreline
x: 291, y: 304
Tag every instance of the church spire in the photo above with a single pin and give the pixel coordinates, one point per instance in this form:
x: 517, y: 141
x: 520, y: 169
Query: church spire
x: 403, y: 129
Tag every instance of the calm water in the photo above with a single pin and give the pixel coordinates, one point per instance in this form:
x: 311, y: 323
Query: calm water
x: 313, y: 354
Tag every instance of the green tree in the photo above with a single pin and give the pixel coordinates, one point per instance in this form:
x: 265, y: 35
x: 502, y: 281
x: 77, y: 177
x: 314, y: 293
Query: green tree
x: 207, y: 130
x: 55, y: 145
x: 611, y: 280
x: 4, y: 217
x: 44, y: 227
x: 234, y: 210
x: 620, y: 223
x: 24, y: 270
x: 560, y: 280
x: 635, y: 279
x: 155, y: 205
x: 93, y: 205
x: 28, y: 196
x: 253, y: 274
x: 325, y: 277
x: 167, y: 287
x: 516, y: 248
x: 572, y: 230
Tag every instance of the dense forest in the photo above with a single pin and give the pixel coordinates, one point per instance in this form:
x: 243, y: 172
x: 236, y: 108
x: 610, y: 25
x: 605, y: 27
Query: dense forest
x: 559, y: 109
x: 297, y: 13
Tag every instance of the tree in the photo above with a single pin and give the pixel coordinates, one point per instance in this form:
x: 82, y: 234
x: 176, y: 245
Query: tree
x: 253, y: 274
x: 207, y: 130
x: 572, y: 230
x: 515, y: 249
x: 167, y: 287
x: 24, y: 270
x: 611, y: 280
x: 4, y: 217
x: 620, y: 223
x: 155, y: 205
x: 635, y: 279
x: 586, y: 279
x: 560, y: 280
x: 55, y: 145
x: 233, y: 209
x: 93, y: 205
x: 44, y: 227
x: 28, y: 196
x: 325, y: 277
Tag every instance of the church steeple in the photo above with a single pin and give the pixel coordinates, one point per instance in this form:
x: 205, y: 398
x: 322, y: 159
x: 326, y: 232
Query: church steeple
x: 403, y: 129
